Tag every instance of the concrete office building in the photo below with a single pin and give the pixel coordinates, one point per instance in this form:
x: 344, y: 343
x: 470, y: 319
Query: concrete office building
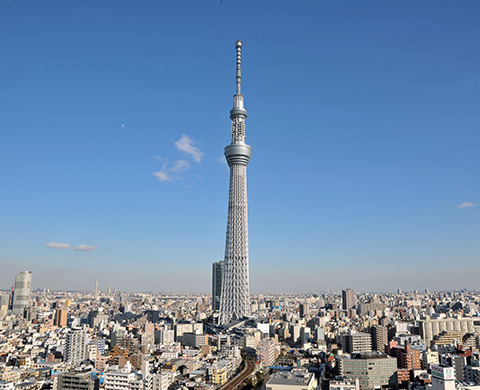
x: 443, y: 378
x: 21, y: 294
x: 164, y: 336
x: 373, y: 371
x: 429, y: 327
x: 195, y: 339
x: 77, y: 381
x: 217, y: 280
x: 348, y: 299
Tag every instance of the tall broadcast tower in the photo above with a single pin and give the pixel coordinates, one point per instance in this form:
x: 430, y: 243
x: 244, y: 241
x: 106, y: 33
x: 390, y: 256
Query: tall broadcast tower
x: 235, y: 298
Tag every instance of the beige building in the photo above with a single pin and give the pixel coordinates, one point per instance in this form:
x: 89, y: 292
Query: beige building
x: 219, y: 376
x: 429, y: 328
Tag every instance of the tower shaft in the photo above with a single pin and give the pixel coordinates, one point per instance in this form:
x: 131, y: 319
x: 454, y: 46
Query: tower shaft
x: 235, y: 298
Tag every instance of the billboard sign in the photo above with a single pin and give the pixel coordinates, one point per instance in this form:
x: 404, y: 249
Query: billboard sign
x: 445, y: 373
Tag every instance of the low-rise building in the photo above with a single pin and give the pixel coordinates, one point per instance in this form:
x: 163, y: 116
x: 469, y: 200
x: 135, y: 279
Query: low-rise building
x: 297, y: 379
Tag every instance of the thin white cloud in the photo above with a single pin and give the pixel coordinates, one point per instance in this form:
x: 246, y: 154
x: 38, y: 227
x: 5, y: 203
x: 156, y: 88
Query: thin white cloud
x: 85, y: 248
x: 122, y: 125
x: 187, y: 145
x: 58, y: 245
x: 181, y: 165
x: 171, y: 174
x: 466, y: 205
x: 162, y: 176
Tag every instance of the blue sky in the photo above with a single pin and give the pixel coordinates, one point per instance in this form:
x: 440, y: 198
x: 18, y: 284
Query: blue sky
x: 364, y: 119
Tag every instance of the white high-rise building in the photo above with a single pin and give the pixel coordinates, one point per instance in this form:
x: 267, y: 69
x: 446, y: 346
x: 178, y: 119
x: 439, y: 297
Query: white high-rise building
x: 235, y: 299
x: 75, y: 347
x: 21, y: 293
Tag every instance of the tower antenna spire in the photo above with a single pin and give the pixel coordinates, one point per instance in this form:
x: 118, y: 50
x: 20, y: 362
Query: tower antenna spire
x: 238, y: 45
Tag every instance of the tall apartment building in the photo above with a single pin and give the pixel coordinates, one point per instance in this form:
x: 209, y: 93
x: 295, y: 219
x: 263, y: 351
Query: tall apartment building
x: 164, y: 336
x: 75, y: 347
x: 267, y: 352
x: 60, y: 319
x: 357, y: 342
x: 217, y: 279
x: 379, y: 337
x: 4, y: 304
x: 408, y: 358
x: 21, y: 294
x: 97, y: 318
x: 348, y: 299
x: 304, y: 309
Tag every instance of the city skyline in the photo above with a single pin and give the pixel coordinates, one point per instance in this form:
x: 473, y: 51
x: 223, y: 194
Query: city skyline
x: 364, y: 119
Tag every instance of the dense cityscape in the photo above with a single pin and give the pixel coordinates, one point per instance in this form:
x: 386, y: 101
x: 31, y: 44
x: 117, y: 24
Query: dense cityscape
x: 159, y: 341
x: 229, y: 338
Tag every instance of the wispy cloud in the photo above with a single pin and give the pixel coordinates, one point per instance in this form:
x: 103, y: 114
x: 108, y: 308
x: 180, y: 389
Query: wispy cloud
x: 172, y: 172
x: 187, y: 145
x: 162, y: 174
x: 180, y: 165
x: 58, y: 245
x: 168, y: 173
x: 466, y: 205
x: 62, y: 245
x: 85, y: 248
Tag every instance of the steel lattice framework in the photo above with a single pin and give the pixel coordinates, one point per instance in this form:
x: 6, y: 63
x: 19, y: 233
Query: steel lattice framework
x: 235, y: 298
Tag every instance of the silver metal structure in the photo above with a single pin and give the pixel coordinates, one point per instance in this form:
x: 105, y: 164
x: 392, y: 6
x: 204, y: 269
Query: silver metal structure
x: 235, y: 298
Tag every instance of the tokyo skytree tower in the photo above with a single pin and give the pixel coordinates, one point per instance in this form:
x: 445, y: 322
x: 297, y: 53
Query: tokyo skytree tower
x: 235, y: 298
